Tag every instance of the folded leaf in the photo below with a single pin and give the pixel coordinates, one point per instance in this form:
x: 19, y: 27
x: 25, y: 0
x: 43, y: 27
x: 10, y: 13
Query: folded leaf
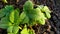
x: 40, y: 7
x: 22, y: 16
x: 41, y: 21
x: 14, y: 16
x: 25, y: 20
x: 48, y: 15
x: 46, y: 9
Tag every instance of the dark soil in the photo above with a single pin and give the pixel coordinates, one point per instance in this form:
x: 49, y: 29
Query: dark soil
x: 52, y: 26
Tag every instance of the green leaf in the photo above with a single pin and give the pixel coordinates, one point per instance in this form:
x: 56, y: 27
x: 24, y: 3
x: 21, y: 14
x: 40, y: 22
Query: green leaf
x: 32, y: 23
x: 24, y: 31
x: 4, y: 23
x: 40, y: 16
x: 4, y: 26
x: 48, y: 15
x: 25, y: 20
x: 9, y: 7
x: 2, y: 13
x: 46, y: 9
x: 31, y: 31
x: 28, y: 6
x: 40, y: 7
x: 5, y: 10
x: 10, y: 33
x: 14, y: 16
x: 36, y: 15
x: 22, y: 17
x: 15, y: 29
x: 42, y: 21
x: 9, y: 30
x: 27, y: 31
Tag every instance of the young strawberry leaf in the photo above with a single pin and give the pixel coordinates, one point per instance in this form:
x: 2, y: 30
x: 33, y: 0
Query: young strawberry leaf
x: 24, y: 31
x: 9, y: 30
x: 27, y: 31
x: 28, y: 6
x: 4, y: 23
x: 5, y: 10
x: 13, y: 29
x: 46, y: 9
x: 31, y: 31
x: 14, y: 16
x: 34, y: 14
x: 40, y: 17
x: 40, y: 7
x: 11, y: 19
x: 23, y: 18
x: 48, y: 15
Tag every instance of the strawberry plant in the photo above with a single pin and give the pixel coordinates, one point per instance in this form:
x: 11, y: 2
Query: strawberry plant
x: 12, y: 20
x: 38, y: 15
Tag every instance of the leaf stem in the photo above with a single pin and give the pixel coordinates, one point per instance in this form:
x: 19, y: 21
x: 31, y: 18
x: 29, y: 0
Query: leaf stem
x: 20, y: 28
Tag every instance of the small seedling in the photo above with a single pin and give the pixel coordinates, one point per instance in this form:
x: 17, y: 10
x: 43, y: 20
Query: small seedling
x: 12, y: 20
x: 36, y: 14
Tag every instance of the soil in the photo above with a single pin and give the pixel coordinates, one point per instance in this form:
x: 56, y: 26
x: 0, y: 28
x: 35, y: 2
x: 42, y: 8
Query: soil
x: 52, y: 25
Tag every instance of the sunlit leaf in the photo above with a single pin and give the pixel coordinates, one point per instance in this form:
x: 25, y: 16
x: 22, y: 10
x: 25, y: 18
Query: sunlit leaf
x: 48, y: 15
x: 14, y: 16
x: 23, y: 18
x: 5, y: 1
x: 46, y: 9
x: 24, y: 31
